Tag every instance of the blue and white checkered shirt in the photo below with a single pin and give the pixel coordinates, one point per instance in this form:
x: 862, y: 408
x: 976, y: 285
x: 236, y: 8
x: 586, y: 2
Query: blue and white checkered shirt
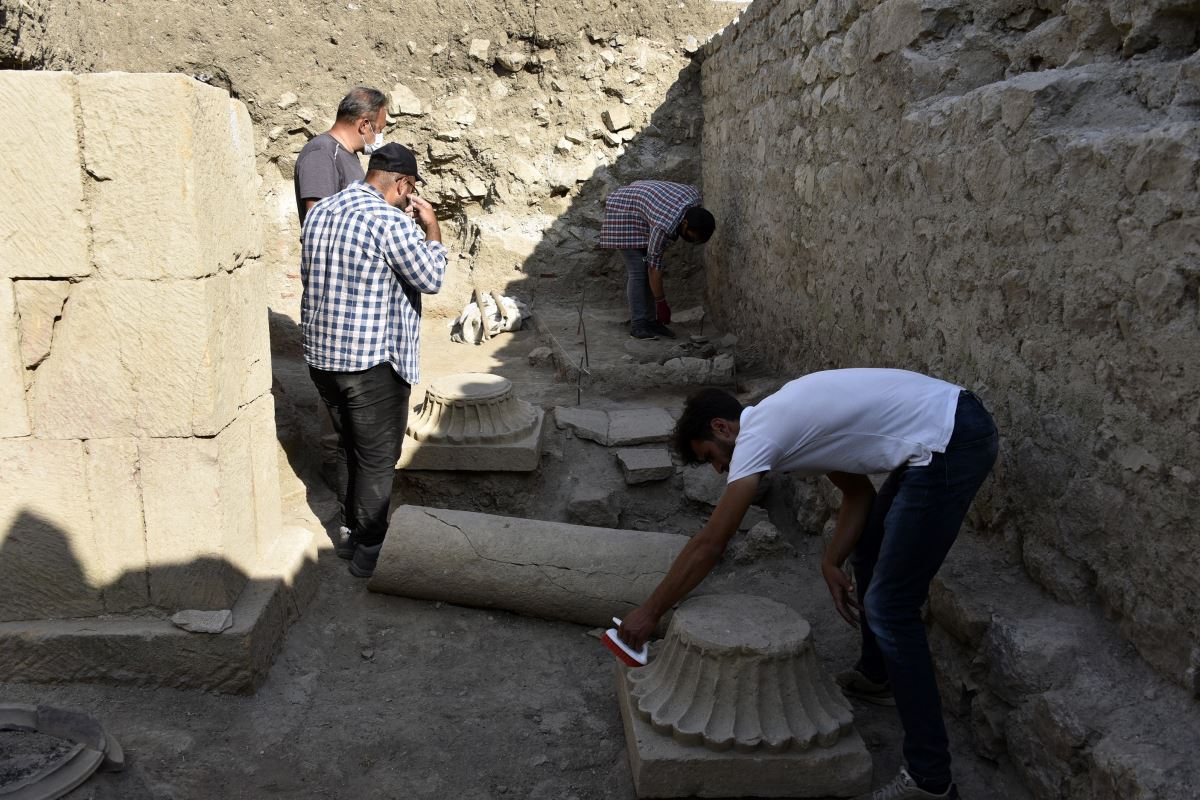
x: 365, y: 266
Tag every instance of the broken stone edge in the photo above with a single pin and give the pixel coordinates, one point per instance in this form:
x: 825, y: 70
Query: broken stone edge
x: 663, y: 767
x: 130, y: 650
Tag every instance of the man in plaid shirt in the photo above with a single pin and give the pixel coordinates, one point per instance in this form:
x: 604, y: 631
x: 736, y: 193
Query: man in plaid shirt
x: 641, y: 220
x: 366, y: 264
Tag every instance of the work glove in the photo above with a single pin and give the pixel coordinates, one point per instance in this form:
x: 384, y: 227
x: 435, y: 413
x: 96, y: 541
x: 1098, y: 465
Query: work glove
x: 663, y: 311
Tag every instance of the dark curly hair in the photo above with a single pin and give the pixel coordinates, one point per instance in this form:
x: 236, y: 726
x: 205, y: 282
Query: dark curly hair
x: 698, y: 412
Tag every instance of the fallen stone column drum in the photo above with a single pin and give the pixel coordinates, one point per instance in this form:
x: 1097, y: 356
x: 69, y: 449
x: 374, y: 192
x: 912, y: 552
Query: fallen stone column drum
x: 545, y: 569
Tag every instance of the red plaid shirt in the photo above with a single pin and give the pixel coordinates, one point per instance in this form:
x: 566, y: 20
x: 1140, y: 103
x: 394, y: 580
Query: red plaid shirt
x: 646, y: 214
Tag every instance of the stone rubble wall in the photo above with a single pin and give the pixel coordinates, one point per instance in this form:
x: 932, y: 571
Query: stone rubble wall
x: 1003, y: 194
x: 137, y: 439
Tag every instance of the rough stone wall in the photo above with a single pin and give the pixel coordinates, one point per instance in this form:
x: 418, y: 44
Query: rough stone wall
x: 1003, y: 194
x: 502, y: 103
x: 137, y: 438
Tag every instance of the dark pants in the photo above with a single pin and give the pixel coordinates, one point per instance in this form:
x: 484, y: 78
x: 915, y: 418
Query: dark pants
x: 913, y: 522
x: 370, y: 412
x: 637, y: 288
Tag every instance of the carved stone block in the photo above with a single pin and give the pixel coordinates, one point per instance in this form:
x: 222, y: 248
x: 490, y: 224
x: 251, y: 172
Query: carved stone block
x: 735, y: 704
x: 473, y: 421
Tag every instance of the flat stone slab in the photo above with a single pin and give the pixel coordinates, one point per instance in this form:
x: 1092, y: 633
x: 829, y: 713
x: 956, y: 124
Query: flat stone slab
x: 195, y: 621
x: 639, y: 426
x: 644, y: 464
x: 663, y: 767
x: 522, y: 455
x: 586, y: 423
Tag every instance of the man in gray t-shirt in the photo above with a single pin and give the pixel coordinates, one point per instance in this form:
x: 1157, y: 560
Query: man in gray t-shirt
x: 329, y: 162
x: 326, y: 165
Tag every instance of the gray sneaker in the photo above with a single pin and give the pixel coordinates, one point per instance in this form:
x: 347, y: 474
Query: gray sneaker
x: 903, y: 787
x: 365, y: 558
x: 640, y: 330
x: 855, y: 684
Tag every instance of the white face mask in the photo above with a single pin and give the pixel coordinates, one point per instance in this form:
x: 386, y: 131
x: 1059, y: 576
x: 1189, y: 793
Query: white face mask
x: 371, y: 147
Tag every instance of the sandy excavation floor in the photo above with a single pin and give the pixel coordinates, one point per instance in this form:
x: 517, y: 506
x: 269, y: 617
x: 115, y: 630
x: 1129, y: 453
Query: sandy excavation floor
x: 382, y: 697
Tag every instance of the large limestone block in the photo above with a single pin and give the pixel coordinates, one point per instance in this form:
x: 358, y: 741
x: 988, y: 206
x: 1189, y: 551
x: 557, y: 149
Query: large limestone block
x: 154, y: 358
x: 268, y: 501
x: 182, y: 495
x: 45, y: 532
x: 42, y: 216
x: 212, y: 511
x: 176, y: 190
x: 546, y: 569
x: 14, y: 417
x: 117, y: 550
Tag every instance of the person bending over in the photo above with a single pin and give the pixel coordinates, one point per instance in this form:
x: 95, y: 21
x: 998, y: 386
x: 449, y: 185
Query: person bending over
x: 937, y: 443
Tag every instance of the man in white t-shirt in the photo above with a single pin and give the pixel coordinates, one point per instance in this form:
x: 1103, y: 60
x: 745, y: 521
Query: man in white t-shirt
x: 938, y: 444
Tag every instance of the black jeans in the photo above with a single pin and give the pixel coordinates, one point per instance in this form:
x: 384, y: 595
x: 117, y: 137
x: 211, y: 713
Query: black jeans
x: 370, y: 413
x: 913, y: 522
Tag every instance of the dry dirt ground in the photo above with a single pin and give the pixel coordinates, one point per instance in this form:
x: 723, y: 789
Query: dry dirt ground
x: 375, y: 696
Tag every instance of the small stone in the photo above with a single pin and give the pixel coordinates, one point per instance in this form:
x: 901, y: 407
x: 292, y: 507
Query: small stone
x: 610, y: 138
x: 574, y: 137
x: 616, y: 118
x: 594, y: 505
x: 563, y: 146
x: 404, y: 101
x: 546, y: 57
x: 438, y: 49
x: 461, y: 110
x: 194, y: 621
x: 627, y: 135
x: 275, y: 133
x: 412, y: 48
x: 512, y: 60
x: 541, y: 357
x: 538, y: 761
x: 608, y: 57
x: 645, y: 464
x: 287, y: 100
x: 367, y: 654
x: 476, y: 188
x: 703, y: 484
x: 556, y: 86
x: 305, y: 113
x: 690, y: 45
x: 479, y: 50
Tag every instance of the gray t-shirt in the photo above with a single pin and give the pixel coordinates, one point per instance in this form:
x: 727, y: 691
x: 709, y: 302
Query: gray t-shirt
x: 324, y: 167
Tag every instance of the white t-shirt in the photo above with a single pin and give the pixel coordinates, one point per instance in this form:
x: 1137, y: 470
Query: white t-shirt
x: 863, y: 421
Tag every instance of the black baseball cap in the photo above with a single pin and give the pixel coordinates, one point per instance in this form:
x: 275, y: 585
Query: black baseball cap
x: 394, y: 157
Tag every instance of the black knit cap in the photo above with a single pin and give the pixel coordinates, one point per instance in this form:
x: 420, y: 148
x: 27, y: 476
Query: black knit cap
x: 394, y: 157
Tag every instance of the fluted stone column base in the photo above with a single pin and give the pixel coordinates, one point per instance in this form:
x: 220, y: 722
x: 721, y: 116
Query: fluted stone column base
x: 662, y: 767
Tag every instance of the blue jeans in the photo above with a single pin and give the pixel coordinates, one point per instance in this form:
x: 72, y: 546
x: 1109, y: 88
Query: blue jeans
x: 637, y: 288
x: 913, y: 522
x: 370, y: 413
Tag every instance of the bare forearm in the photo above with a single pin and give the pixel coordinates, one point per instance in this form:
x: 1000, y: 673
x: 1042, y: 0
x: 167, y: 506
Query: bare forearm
x: 689, y: 569
x: 857, y: 496
x: 655, y: 278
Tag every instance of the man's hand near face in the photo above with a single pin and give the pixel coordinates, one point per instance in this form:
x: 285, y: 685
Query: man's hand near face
x: 422, y: 213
